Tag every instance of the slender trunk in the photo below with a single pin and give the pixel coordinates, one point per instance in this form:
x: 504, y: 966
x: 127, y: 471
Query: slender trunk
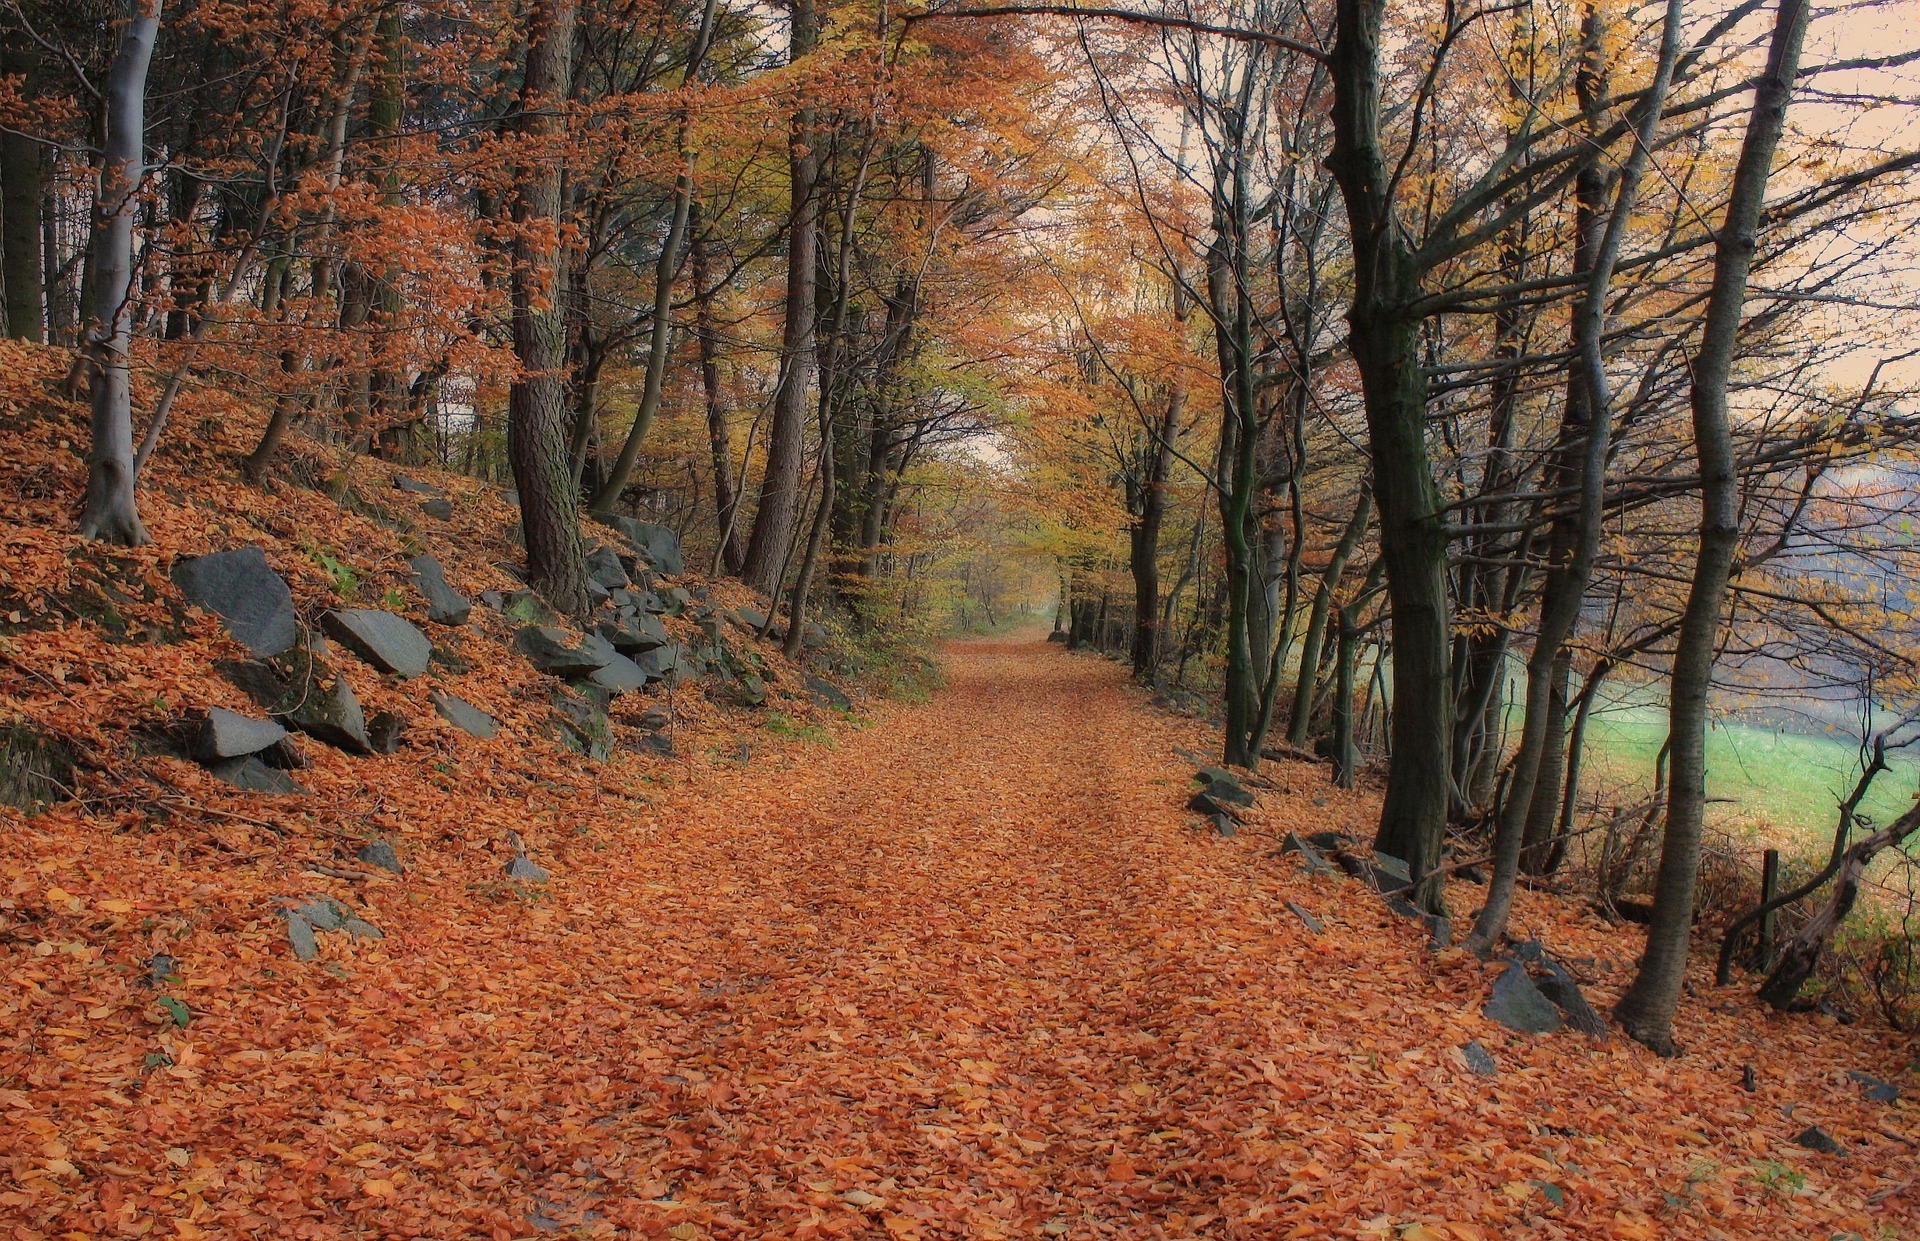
x: 1802, y: 953
x: 110, y: 513
x: 537, y: 402
x: 773, y: 521
x: 21, y: 190
x: 1323, y: 595
x: 1647, y: 1009
x: 726, y: 494
x: 1569, y: 581
x: 1144, y: 539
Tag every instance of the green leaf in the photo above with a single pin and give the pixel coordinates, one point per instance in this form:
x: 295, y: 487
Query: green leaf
x: 180, y: 1013
x: 1554, y: 1193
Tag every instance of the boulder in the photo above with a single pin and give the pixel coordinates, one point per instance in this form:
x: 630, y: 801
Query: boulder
x: 301, y: 691
x: 250, y: 599
x: 1479, y: 1060
x: 1559, y: 987
x: 656, y: 717
x: 1058, y: 635
x: 529, y: 609
x: 749, y: 619
x: 464, y: 715
x: 300, y: 936
x: 521, y: 867
x: 582, y: 726
x: 1815, y: 1139
x: 1393, y: 869
x: 380, y: 855
x: 619, y: 675
x: 634, y: 635
x: 228, y: 734
x: 445, y: 605
x: 658, y: 545
x: 414, y: 487
x: 552, y: 650
x: 1310, y: 857
x: 827, y: 694
x: 1204, y: 802
x: 1873, y: 1089
x: 1518, y: 1005
x: 384, y: 729
x: 605, y: 570
x: 664, y: 663
x: 741, y: 689
x: 248, y: 772
x: 657, y: 743
x: 1306, y: 919
x: 439, y: 510
x: 387, y: 641
x: 1223, y: 786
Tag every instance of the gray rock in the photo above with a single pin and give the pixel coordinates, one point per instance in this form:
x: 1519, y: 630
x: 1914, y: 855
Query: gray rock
x: 604, y: 568
x: 300, y: 936
x: 246, y: 594
x: 1326, y: 842
x: 380, y: 855
x: 1559, y: 986
x: 360, y: 929
x: 1308, y: 920
x: 1816, y: 1139
x: 827, y: 694
x: 414, y: 487
x: 300, y: 690
x: 1479, y: 1060
x: 635, y: 635
x: 658, y: 743
x: 248, y: 772
x: 445, y: 605
x: 522, y: 868
x: 464, y: 716
x: 439, y: 510
x: 749, y: 619
x: 666, y: 663
x: 1224, y: 824
x: 323, y: 913
x: 658, y: 545
x: 529, y: 609
x: 552, y: 650
x: 648, y: 601
x: 1518, y: 1005
x: 1873, y: 1089
x: 1204, y: 802
x: 619, y: 675
x: 1223, y: 786
x: 384, y: 730
x: 676, y: 599
x: 1058, y: 635
x: 582, y: 726
x: 385, y: 640
x: 1393, y: 868
x: 1311, y: 858
x: 656, y: 717
x: 1439, y: 930
x: 228, y: 734
x: 813, y: 635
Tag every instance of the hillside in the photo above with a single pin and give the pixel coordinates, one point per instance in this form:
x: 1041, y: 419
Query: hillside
x: 961, y: 969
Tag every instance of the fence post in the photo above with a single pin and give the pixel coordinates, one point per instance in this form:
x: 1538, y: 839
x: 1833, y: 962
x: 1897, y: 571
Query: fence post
x: 1769, y: 887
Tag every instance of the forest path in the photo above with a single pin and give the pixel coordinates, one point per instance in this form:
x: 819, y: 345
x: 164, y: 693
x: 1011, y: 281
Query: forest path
x: 969, y: 970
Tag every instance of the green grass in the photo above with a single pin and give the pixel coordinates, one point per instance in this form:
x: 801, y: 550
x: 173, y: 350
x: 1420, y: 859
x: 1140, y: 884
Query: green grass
x: 1776, y: 784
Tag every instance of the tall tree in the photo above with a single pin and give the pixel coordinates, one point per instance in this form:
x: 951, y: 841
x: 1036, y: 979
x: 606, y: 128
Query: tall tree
x: 537, y: 422
x: 110, y: 513
x: 1646, y: 1010
x: 771, y: 538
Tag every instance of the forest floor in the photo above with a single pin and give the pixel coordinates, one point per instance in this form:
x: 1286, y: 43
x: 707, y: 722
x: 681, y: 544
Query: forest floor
x: 967, y: 971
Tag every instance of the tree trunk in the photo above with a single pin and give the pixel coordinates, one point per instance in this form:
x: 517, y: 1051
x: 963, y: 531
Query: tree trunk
x: 1647, y: 1009
x: 1143, y: 544
x: 537, y: 402
x: 774, y: 519
x: 109, y: 513
x: 21, y: 189
x: 1385, y: 342
x: 726, y: 493
x: 1802, y: 953
x: 1323, y: 596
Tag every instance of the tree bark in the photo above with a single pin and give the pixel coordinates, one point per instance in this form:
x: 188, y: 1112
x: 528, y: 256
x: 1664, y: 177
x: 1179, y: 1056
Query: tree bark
x: 109, y: 513
x: 20, y: 198
x: 537, y: 401
x: 1143, y: 543
x: 1646, y: 1010
x: 1308, y: 678
x: 726, y: 493
x: 774, y: 519
x: 1385, y: 342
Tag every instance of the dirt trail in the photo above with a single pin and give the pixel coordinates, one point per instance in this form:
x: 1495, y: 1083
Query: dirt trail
x: 970, y: 972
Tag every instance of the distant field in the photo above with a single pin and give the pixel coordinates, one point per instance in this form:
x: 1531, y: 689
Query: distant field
x: 1783, y: 787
